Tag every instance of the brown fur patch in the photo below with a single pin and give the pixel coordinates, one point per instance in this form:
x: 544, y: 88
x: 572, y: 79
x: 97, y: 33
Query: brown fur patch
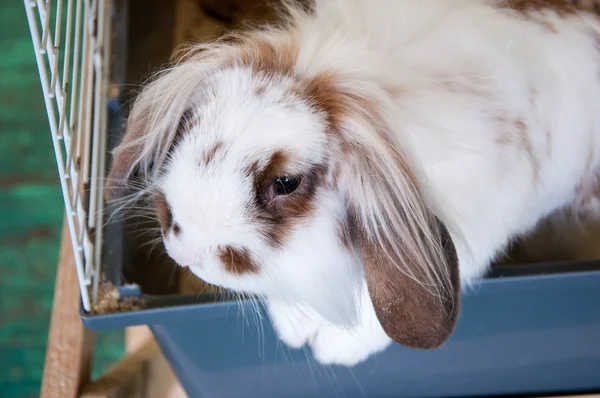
x: 409, y: 313
x: 279, y: 215
x: 265, y: 59
x: 324, y: 95
x: 562, y: 7
x: 165, y: 216
x: 275, y: 167
x: 209, y: 155
x: 237, y: 261
x: 321, y: 94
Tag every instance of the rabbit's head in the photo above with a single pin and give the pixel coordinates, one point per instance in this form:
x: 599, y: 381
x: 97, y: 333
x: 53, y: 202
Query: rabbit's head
x: 273, y: 179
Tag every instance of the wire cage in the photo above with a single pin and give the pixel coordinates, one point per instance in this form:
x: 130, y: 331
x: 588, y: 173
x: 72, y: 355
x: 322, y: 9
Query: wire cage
x: 70, y: 40
x: 531, y: 329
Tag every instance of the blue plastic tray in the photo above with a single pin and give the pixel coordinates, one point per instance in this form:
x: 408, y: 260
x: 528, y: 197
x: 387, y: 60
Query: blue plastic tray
x: 516, y: 335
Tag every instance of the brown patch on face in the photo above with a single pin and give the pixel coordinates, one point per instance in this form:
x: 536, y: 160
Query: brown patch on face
x: 279, y: 215
x: 275, y: 167
x: 165, y: 216
x: 209, y: 155
x: 237, y: 261
x: 562, y: 7
x: 321, y: 94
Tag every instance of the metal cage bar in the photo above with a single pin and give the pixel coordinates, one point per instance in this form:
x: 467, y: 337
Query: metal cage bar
x: 71, y: 40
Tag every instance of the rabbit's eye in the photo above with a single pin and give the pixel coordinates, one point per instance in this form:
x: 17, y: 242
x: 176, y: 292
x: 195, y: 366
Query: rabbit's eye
x: 286, y: 185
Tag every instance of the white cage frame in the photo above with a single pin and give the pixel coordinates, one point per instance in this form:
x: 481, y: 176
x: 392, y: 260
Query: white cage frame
x: 74, y: 70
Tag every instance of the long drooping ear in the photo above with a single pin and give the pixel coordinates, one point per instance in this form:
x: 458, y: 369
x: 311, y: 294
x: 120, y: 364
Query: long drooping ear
x: 412, y: 311
x: 410, y: 261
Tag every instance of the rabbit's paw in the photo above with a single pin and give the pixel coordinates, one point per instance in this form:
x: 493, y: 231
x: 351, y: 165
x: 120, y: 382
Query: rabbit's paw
x: 294, y: 324
x: 334, y: 345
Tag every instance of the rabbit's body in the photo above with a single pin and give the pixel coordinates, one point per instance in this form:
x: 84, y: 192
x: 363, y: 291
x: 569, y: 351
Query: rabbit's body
x: 478, y: 115
x: 500, y: 111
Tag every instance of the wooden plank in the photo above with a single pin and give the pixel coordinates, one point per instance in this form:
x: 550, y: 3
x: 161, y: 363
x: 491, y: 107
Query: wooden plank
x: 136, y: 337
x: 70, y: 345
x: 142, y: 373
x: 127, y: 378
x: 162, y: 382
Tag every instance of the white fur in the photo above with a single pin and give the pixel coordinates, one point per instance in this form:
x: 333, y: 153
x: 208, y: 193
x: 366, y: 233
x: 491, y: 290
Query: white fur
x: 464, y: 72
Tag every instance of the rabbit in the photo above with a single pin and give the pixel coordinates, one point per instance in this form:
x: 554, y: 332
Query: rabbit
x: 361, y: 164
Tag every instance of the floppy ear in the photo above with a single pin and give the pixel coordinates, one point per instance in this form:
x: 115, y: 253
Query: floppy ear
x: 410, y: 261
x: 411, y: 313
